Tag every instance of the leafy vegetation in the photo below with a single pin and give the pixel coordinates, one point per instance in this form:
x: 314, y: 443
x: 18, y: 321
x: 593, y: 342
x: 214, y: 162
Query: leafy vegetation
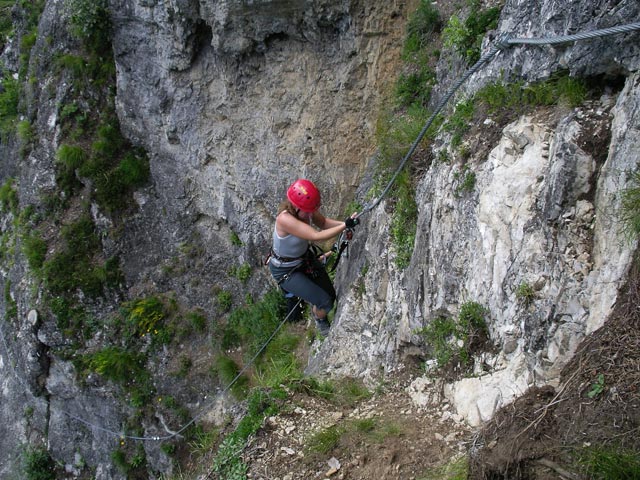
x: 73, y: 268
x: 415, y: 84
x: 453, y: 340
x: 91, y: 22
x: 505, y: 101
x: 422, y: 24
x: 6, y: 25
x: 456, y: 469
x: 133, y: 465
x: 225, y: 300
x: 525, y: 293
x: 117, y: 364
x: 630, y: 207
x: 403, y: 222
x: 9, y: 196
x: 465, y: 37
x: 466, y: 179
x: 147, y: 317
x: 228, y: 463
x: 252, y: 325
x: 324, y: 440
x: 227, y: 371
x: 9, y: 98
x: 608, y: 463
x: 597, y: 387
x: 37, y: 464
x: 34, y: 249
x: 519, y: 96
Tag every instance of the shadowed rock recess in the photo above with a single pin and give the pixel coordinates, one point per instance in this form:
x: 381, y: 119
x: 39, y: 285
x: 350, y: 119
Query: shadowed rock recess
x: 228, y: 102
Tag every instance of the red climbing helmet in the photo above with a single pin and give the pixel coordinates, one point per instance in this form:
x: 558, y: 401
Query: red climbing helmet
x: 304, y: 195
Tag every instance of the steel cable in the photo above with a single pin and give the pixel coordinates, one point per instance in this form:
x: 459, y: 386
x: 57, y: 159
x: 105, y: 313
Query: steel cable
x: 501, y: 44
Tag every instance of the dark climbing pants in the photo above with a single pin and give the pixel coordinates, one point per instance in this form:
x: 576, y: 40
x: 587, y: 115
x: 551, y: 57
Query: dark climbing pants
x: 312, y: 284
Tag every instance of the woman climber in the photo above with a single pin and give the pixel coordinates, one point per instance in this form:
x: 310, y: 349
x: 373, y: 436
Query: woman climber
x: 292, y: 262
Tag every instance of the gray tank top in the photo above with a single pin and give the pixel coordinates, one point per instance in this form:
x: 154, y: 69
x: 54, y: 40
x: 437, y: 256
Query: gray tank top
x: 288, y: 246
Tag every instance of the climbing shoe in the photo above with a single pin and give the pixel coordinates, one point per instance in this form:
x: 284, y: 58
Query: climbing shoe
x: 323, y: 326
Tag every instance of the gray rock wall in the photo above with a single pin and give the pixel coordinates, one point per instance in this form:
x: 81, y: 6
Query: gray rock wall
x: 544, y: 210
x: 233, y: 100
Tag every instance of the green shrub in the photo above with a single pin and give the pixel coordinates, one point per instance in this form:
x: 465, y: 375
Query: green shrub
x: 28, y: 41
x: 9, y: 98
x: 244, y: 272
x: 466, y: 181
x: 118, y: 365
x: 422, y: 24
x: 11, y: 305
x: 415, y: 84
x: 252, y: 325
x: 454, y: 340
x: 325, y: 440
x: 71, y: 156
x: 440, y: 335
x: 25, y: 132
x: 81, y: 237
x: 9, y: 196
x: 35, y: 249
x: 525, y: 293
x: 227, y: 462
x: 38, y: 465
x: 350, y: 391
x: 279, y: 365
x: 281, y: 370
x: 72, y: 267
x: 227, y: 371
x: 517, y: 97
x: 91, y: 22
x: 472, y: 317
x: 6, y: 24
x: 76, y: 64
x: 456, y: 469
x: 114, y: 167
x: 235, y: 239
x: 225, y: 300
x: 71, y: 319
x: 404, y: 220
x: 197, y: 320
x: 460, y: 122
x: 416, y: 87
x: 133, y: 169
x: 145, y: 316
x: 631, y: 207
x: 465, y: 37
x: 609, y: 463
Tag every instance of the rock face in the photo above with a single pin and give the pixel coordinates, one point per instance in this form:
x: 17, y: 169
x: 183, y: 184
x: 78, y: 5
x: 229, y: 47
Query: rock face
x: 234, y: 99
x: 545, y: 209
x: 202, y: 97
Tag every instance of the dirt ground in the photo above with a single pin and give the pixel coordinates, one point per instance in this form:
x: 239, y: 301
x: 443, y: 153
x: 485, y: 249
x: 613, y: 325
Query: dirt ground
x: 537, y: 437
x: 382, y: 437
x: 540, y: 436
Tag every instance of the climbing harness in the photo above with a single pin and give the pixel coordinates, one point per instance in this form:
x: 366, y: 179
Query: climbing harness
x: 502, y: 43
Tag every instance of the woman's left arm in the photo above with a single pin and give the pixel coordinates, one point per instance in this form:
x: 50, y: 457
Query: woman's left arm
x: 323, y: 222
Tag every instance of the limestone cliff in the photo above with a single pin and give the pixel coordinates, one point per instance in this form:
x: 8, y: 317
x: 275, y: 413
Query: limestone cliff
x: 232, y: 100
